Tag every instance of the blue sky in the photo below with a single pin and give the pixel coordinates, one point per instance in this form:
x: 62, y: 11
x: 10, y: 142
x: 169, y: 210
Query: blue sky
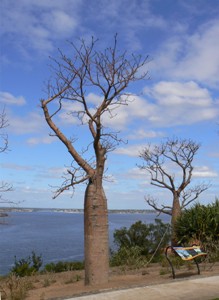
x: 181, y: 98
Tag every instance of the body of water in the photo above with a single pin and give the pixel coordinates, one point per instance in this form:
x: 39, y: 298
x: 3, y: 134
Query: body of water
x: 55, y: 235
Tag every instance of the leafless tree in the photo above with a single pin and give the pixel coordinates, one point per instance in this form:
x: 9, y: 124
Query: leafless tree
x: 4, y: 186
x: 107, y: 74
x: 159, y: 160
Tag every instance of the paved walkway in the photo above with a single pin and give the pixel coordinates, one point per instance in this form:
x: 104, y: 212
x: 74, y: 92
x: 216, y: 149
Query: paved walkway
x: 204, y: 288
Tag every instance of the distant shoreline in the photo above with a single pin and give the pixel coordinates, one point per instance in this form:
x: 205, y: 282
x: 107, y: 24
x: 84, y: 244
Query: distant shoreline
x: 73, y: 210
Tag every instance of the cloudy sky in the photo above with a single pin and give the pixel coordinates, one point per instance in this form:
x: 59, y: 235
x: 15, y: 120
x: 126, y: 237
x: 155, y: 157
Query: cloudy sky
x: 181, y: 98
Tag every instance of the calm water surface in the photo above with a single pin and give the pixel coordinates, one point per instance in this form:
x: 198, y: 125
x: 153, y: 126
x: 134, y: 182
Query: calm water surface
x: 56, y: 236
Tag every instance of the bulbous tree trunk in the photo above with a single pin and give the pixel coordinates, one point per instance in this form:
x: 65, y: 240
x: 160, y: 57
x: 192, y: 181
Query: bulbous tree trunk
x: 176, y: 211
x: 96, y: 235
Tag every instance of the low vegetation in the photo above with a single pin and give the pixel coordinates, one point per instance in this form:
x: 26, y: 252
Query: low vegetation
x: 32, y: 264
x: 63, y: 266
x: 139, y: 244
x: 14, y: 287
x: 27, y: 266
x: 200, y: 225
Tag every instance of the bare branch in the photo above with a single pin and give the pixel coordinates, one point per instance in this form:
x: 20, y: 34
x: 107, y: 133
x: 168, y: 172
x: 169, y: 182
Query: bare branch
x: 153, y: 203
x: 104, y: 73
x: 72, y: 177
x: 4, y: 186
x: 66, y: 186
x: 154, y: 164
x: 3, y: 135
x: 192, y: 194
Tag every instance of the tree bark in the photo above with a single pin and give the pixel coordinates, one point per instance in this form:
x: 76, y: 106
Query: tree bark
x: 176, y: 211
x: 96, y: 240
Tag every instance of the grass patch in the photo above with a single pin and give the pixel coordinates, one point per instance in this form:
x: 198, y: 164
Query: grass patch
x: 15, y: 288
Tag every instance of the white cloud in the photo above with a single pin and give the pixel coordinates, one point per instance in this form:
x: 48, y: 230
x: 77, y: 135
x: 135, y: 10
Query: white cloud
x: 30, y: 123
x: 133, y: 150
x: 123, y: 115
x: 37, y: 170
x: 177, y: 93
x: 36, y: 25
x: 142, y: 134
x: 16, y: 167
x: 214, y: 154
x: 117, y: 118
x: 178, y: 103
x: 62, y: 22
x: 204, y: 171
x: 202, y: 59
x: 135, y: 16
x: 167, y: 103
x: 68, y: 115
x: 54, y: 172
x: 138, y: 174
x: 40, y: 140
x: 187, y: 56
x: 94, y: 99
x: 9, y: 99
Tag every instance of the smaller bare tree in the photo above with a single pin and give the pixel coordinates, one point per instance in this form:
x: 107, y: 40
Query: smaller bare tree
x: 158, y: 160
x: 4, y: 186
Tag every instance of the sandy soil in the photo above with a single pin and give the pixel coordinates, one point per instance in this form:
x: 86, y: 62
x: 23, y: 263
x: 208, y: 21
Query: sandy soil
x: 69, y: 284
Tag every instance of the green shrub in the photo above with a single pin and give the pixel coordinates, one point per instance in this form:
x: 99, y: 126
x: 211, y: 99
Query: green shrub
x: 62, y: 266
x: 27, y: 266
x: 160, y: 234
x: 128, y: 256
x: 136, y: 235
x: 200, y: 224
x: 137, y: 244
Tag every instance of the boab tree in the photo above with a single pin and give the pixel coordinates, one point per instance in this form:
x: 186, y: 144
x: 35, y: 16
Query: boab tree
x: 176, y: 154
x: 107, y: 74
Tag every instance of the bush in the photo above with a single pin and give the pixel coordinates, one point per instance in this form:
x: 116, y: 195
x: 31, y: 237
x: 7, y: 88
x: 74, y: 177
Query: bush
x: 128, y: 257
x: 27, y: 266
x: 63, y: 266
x: 32, y: 264
x: 15, y: 288
x: 160, y: 234
x: 200, y: 224
x: 136, y: 235
x: 139, y: 243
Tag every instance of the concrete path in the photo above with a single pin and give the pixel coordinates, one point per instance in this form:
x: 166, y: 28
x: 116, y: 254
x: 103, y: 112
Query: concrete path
x: 204, y: 288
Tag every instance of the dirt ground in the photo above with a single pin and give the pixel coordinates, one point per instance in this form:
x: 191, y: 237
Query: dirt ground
x: 69, y: 284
